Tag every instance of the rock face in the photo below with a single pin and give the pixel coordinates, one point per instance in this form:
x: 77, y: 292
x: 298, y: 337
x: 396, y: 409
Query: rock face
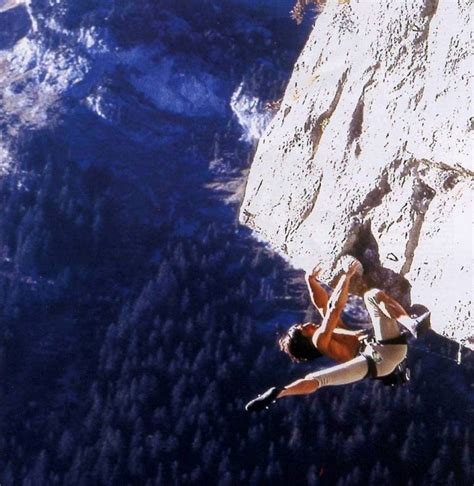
x: 370, y: 154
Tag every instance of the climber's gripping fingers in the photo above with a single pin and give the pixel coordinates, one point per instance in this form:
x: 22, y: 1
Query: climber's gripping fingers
x: 354, y: 267
x: 351, y: 266
x: 316, y: 271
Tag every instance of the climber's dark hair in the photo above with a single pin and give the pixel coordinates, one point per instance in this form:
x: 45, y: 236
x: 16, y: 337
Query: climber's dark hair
x: 298, y: 347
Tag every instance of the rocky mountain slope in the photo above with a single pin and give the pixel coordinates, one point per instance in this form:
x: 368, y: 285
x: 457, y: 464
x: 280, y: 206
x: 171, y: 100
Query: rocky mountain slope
x: 370, y: 154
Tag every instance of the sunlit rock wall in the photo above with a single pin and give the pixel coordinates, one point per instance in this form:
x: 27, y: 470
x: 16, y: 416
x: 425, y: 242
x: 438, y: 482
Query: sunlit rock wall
x: 370, y: 154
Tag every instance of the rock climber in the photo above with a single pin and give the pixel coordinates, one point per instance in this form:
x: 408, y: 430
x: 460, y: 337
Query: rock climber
x: 360, y: 357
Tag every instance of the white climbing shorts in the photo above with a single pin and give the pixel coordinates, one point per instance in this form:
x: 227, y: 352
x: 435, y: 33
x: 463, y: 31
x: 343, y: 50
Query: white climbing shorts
x: 386, y: 356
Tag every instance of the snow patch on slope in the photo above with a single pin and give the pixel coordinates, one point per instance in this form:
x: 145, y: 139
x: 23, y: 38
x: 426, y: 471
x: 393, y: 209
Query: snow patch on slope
x: 6, y: 161
x: 250, y: 114
x: 32, y: 78
x: 174, y: 83
x: 6, y: 5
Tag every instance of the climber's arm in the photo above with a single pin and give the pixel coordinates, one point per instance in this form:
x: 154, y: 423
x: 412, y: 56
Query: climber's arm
x: 319, y: 296
x: 322, y: 337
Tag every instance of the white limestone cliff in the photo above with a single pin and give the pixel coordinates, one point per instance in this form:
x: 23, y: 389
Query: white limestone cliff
x: 371, y: 153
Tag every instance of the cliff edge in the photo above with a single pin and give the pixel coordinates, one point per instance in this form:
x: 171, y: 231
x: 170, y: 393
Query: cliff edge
x: 371, y: 153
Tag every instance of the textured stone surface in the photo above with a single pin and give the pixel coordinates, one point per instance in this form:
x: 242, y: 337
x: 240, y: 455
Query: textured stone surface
x: 371, y: 153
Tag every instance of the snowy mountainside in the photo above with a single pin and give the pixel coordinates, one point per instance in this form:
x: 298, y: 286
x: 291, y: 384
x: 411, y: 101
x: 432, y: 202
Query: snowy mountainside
x: 57, y: 58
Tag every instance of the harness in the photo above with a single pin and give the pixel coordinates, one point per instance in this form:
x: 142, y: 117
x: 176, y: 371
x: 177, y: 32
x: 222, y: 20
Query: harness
x: 399, y: 376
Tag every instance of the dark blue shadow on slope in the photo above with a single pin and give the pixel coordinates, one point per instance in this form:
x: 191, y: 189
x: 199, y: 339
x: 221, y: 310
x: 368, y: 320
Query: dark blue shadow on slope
x: 14, y: 25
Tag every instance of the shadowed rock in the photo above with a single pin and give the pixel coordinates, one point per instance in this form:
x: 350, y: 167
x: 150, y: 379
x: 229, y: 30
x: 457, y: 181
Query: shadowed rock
x: 15, y: 24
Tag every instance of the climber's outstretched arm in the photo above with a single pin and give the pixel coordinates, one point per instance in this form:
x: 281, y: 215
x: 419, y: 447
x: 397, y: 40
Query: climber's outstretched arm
x: 322, y: 337
x: 319, y: 296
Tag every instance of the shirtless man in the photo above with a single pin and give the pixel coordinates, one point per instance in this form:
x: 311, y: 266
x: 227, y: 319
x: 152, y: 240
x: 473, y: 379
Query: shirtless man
x: 358, y: 360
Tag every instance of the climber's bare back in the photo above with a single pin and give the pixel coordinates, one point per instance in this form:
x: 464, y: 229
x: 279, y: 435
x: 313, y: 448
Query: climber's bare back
x: 343, y: 346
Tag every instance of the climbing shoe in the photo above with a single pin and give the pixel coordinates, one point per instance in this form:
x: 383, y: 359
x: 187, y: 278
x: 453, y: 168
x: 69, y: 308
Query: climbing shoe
x: 263, y: 400
x: 422, y: 324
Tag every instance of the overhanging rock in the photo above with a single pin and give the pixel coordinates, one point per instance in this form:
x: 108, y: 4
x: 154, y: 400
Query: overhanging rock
x: 370, y: 154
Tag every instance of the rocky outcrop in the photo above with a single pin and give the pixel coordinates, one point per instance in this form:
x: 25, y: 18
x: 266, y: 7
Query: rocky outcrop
x: 370, y: 154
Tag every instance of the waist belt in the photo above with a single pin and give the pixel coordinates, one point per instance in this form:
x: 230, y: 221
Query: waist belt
x: 396, y: 340
x: 366, y: 340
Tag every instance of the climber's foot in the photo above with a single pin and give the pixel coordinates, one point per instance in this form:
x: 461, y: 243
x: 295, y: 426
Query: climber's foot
x: 422, y: 324
x: 263, y: 400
